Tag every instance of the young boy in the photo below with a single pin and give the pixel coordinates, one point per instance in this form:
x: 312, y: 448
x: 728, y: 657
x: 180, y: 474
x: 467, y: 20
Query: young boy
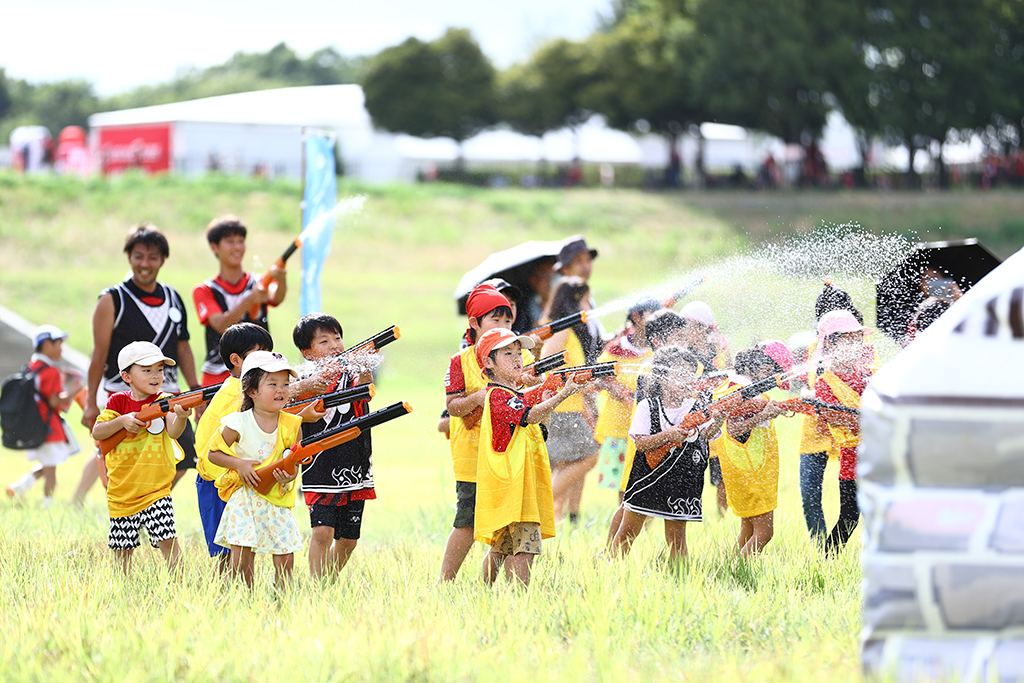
x: 228, y: 298
x: 52, y: 399
x: 514, y: 503
x: 237, y: 342
x: 141, y: 468
x: 465, y: 390
x: 338, y: 481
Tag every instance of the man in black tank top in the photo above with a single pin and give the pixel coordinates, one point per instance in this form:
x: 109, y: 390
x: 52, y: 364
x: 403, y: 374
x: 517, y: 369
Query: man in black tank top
x: 138, y: 309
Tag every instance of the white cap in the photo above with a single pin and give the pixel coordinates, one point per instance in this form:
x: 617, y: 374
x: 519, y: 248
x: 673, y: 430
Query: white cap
x: 268, y: 361
x: 141, y: 353
x: 698, y: 311
x: 52, y: 332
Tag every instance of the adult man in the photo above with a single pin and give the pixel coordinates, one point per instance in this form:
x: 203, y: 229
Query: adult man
x: 576, y: 259
x: 138, y: 309
x: 229, y: 297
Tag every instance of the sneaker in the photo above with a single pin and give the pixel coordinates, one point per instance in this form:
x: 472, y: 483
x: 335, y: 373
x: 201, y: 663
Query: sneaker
x: 16, y: 492
x: 47, y: 502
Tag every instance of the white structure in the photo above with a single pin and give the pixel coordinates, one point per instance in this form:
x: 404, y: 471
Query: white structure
x: 942, y: 489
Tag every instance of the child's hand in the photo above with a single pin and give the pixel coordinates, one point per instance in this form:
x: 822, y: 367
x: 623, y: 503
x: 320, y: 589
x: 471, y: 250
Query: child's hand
x: 311, y: 414
x: 182, y: 413
x: 131, y: 424
x: 571, y: 386
x: 679, y: 434
x: 283, y: 477
x: 248, y: 474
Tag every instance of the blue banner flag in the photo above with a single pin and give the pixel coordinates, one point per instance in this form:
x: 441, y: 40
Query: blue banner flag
x: 319, y: 200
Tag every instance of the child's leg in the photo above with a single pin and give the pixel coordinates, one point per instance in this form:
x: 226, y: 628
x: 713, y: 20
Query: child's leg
x: 518, y: 567
x: 19, y: 487
x: 492, y: 565
x: 283, y: 565
x: 629, y: 528
x: 849, y: 515
x: 243, y: 564
x: 614, y: 526
x: 124, y: 558
x: 171, y: 551
x: 577, y: 478
x: 763, y: 528
x: 319, y: 547
x: 675, y: 537
x: 812, y: 473
x: 49, y: 475
x: 90, y: 473
x: 460, y: 541
x: 746, y: 532
x: 340, y: 553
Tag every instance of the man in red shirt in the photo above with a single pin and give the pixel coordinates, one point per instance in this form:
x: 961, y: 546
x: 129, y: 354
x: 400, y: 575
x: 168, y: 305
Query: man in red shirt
x: 229, y: 297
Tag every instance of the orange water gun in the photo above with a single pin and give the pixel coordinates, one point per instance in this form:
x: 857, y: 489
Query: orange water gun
x: 374, y: 343
x: 837, y: 414
x: 266, y: 279
x: 580, y: 374
x: 545, y: 331
x: 302, y: 454
x: 333, y: 398
x: 151, y: 411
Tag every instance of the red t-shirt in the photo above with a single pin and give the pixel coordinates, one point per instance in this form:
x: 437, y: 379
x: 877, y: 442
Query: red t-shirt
x: 508, y: 411
x: 856, y: 380
x: 206, y: 304
x: 454, y: 380
x: 48, y: 383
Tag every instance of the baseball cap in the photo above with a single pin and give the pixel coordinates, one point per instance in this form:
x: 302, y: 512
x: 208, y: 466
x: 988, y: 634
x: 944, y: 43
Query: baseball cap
x: 570, y: 247
x: 505, y: 287
x: 52, y: 332
x: 484, y: 299
x: 498, y: 338
x: 268, y: 361
x: 141, y: 353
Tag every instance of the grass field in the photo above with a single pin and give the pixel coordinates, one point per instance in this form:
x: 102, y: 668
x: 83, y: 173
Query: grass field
x: 791, y: 615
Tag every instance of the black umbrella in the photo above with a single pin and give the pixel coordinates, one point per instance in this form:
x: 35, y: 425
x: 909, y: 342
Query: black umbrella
x: 899, y: 293
x: 515, y: 265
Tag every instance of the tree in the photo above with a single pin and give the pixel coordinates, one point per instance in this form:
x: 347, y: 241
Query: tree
x: 5, y: 94
x: 64, y: 103
x: 444, y: 88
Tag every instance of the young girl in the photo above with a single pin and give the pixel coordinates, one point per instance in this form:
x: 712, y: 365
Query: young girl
x: 254, y: 437
x: 842, y: 376
x: 750, y: 449
x: 671, y: 489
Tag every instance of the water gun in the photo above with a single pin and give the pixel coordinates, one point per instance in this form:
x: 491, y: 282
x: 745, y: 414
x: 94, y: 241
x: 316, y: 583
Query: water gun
x: 265, y: 279
x: 730, y: 402
x: 333, y: 398
x: 545, y: 331
x: 546, y: 364
x: 374, y: 343
x: 837, y: 414
x: 709, y: 381
x: 302, y: 454
x: 191, y: 399
x: 671, y: 300
x: 580, y: 374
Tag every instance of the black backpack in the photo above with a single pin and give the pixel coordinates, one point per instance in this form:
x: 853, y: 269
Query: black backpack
x: 23, y: 427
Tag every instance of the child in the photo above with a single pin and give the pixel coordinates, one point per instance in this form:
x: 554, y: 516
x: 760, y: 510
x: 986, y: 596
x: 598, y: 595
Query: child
x: 247, y: 440
x: 237, y: 342
x: 339, y: 480
x: 842, y: 376
x: 514, y: 505
x: 671, y: 489
x: 227, y: 298
x: 465, y: 392
x: 141, y: 468
x: 52, y: 400
x: 750, y: 449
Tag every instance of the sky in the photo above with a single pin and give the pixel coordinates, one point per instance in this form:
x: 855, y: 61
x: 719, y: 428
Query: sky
x: 118, y: 45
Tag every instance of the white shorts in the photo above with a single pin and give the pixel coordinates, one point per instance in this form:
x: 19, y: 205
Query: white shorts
x: 50, y: 454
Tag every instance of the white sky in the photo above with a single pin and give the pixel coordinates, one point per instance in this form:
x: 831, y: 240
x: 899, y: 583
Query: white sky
x: 117, y: 45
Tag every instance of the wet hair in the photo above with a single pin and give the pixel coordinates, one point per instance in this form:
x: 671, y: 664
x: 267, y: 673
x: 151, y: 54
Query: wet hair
x: 930, y: 311
x: 566, y: 301
x: 500, y: 310
x: 749, y: 361
x: 242, y: 338
x: 225, y: 226
x: 251, y: 382
x: 149, y: 235
x: 641, y: 307
x: 309, y: 325
x: 662, y: 324
x: 666, y: 359
x: 834, y: 299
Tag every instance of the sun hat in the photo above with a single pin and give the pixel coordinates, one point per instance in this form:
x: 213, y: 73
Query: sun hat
x: 484, y: 299
x: 141, y: 353
x: 834, y: 322
x: 498, y: 338
x: 699, y: 312
x: 781, y: 354
x: 48, y: 332
x: 268, y: 361
x: 572, y: 246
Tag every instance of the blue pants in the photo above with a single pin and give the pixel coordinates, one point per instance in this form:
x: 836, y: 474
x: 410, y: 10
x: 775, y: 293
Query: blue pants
x: 812, y: 473
x: 211, y: 509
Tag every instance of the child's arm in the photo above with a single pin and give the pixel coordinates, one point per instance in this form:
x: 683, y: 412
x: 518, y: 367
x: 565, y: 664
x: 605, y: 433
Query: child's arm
x: 461, y: 404
x: 673, y: 435
x: 541, y: 411
x: 231, y: 462
x: 323, y: 378
x: 176, y: 421
x: 742, y: 421
x: 127, y: 422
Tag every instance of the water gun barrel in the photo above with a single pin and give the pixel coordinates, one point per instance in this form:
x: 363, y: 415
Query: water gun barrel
x: 546, y: 364
x: 545, y: 331
x: 377, y: 341
x: 190, y: 399
x: 265, y: 279
x: 334, y: 398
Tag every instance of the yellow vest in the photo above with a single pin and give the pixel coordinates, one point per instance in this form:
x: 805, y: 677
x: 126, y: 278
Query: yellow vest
x: 614, y: 416
x: 573, y: 356
x: 843, y: 436
x: 514, y: 486
x: 288, y: 432
x: 464, y: 441
x: 228, y: 399
x: 750, y: 470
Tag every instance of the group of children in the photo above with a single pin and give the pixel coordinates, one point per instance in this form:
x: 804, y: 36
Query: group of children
x: 678, y: 405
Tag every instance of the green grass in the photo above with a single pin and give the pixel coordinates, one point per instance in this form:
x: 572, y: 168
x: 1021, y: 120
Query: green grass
x: 791, y: 615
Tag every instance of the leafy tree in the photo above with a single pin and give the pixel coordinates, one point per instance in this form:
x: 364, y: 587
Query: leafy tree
x: 444, y: 88
x: 5, y: 94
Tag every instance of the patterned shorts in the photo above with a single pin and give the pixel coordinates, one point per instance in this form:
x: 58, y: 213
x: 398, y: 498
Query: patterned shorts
x: 517, y: 537
x: 158, y: 519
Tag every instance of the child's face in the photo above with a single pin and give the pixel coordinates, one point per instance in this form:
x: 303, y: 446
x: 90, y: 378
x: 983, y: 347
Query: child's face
x: 52, y: 349
x: 846, y: 348
x: 679, y: 382
x: 491, y: 321
x: 272, y: 393
x: 325, y: 344
x: 145, y: 380
x: 507, y: 364
x: 230, y: 251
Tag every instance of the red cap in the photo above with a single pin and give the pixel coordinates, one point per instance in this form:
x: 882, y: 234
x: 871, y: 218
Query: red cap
x: 498, y: 338
x: 484, y: 299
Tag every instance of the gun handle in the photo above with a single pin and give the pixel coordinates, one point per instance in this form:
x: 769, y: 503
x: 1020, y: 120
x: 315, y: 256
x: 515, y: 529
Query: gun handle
x: 265, y: 281
x: 110, y: 443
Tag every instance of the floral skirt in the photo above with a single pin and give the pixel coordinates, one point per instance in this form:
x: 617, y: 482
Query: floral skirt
x: 252, y: 521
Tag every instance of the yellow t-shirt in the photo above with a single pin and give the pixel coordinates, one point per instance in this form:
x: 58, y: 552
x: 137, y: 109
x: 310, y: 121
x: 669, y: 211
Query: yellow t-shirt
x: 573, y: 356
x: 140, y: 469
x: 287, y: 433
x: 513, y: 486
x: 228, y: 399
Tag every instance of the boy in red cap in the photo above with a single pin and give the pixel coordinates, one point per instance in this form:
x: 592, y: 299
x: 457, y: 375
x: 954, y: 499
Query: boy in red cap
x: 514, y: 504
x: 465, y: 389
